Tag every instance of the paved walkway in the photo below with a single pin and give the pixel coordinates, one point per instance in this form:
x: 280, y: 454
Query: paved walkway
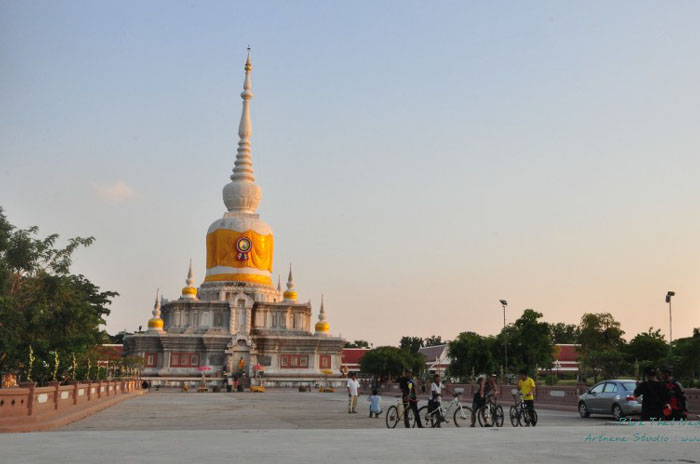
x: 275, y: 409
x: 290, y: 427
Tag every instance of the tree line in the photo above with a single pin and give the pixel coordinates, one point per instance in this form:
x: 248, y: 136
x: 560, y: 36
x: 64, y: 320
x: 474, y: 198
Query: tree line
x: 602, y: 352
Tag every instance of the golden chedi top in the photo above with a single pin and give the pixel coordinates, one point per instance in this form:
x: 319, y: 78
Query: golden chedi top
x: 290, y: 295
x: 189, y: 292
x: 322, y: 327
x: 155, y: 324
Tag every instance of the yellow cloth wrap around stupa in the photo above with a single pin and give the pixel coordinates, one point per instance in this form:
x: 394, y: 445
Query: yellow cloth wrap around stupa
x: 155, y: 323
x: 221, y: 251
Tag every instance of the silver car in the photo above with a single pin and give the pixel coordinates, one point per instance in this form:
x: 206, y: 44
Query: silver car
x: 610, y: 397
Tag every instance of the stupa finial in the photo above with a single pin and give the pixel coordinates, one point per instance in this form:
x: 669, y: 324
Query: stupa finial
x: 155, y: 324
x: 290, y: 294
x: 322, y: 327
x: 189, y: 292
x: 242, y: 195
x: 243, y: 168
x: 156, y: 305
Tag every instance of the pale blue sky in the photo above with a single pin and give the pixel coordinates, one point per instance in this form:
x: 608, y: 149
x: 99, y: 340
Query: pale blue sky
x: 419, y: 160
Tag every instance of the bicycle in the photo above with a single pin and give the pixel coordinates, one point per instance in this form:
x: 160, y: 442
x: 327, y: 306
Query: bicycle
x: 462, y: 415
x: 490, y: 414
x: 520, y: 414
x: 395, y: 414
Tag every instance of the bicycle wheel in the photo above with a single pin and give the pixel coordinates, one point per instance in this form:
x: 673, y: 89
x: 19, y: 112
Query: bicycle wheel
x: 498, y: 416
x: 485, y: 416
x: 428, y: 419
x: 463, y: 416
x: 514, y: 418
x: 411, y: 417
x: 392, y: 417
x: 534, y: 418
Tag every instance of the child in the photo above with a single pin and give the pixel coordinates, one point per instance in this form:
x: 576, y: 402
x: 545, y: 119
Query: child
x: 375, y: 404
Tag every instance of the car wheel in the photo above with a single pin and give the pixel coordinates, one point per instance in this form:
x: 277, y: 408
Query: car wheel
x: 617, y: 412
x: 583, y: 410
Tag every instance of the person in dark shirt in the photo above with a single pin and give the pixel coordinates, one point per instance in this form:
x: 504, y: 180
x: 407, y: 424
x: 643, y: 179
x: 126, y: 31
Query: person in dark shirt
x: 410, y: 399
x: 654, y: 396
x: 676, y: 397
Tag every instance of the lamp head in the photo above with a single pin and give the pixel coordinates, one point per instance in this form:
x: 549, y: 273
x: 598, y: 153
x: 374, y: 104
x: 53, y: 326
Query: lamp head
x: 504, y: 302
x: 669, y: 295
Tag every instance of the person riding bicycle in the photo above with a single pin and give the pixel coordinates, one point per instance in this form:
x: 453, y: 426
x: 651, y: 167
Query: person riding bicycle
x: 410, y: 400
x: 436, y: 389
x: 526, y: 387
x: 485, y: 389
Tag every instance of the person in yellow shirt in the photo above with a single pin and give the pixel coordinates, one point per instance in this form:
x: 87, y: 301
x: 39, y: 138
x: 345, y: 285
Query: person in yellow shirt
x: 526, y: 386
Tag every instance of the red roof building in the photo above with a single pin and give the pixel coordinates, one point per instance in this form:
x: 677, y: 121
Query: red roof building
x: 109, y: 353
x: 565, y: 358
x: 350, y: 361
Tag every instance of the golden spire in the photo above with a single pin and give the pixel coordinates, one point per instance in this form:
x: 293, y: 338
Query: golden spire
x: 290, y: 294
x: 322, y: 326
x: 155, y: 324
x: 189, y: 292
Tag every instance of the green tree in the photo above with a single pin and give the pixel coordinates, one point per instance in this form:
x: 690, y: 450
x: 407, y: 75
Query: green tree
x: 648, y: 348
x: 390, y: 361
x: 686, y: 358
x: 412, y: 344
x: 469, y: 353
x: 599, y: 335
x: 563, y: 333
x: 607, y: 362
x: 43, y: 305
x: 530, y: 343
x: 433, y: 340
x: 357, y: 344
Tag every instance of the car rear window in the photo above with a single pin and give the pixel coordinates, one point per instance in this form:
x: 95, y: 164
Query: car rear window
x: 629, y: 386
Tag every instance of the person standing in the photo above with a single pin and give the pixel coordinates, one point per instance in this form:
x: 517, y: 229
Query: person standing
x: 526, y: 387
x: 676, y: 396
x: 485, y: 389
x: 353, y: 393
x: 436, y: 397
x: 410, y: 399
x: 654, y: 396
x: 479, y: 397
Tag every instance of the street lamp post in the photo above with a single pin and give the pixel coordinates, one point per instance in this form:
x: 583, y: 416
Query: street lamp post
x: 670, y: 294
x: 504, y: 303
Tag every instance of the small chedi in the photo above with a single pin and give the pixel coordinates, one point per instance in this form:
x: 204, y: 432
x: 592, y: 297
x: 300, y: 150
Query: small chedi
x: 237, y: 322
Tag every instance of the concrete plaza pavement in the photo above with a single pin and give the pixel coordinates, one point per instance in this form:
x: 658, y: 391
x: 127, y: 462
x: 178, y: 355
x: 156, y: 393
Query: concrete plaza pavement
x: 275, y: 409
x: 291, y: 427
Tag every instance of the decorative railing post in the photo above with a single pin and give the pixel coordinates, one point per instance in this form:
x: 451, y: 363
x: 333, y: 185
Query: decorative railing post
x: 56, y: 385
x: 30, y: 400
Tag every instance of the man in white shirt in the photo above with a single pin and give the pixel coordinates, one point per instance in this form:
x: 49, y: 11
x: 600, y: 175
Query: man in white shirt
x: 353, y: 392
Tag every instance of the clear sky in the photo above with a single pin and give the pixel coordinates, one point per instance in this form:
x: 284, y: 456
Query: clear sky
x: 419, y: 160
